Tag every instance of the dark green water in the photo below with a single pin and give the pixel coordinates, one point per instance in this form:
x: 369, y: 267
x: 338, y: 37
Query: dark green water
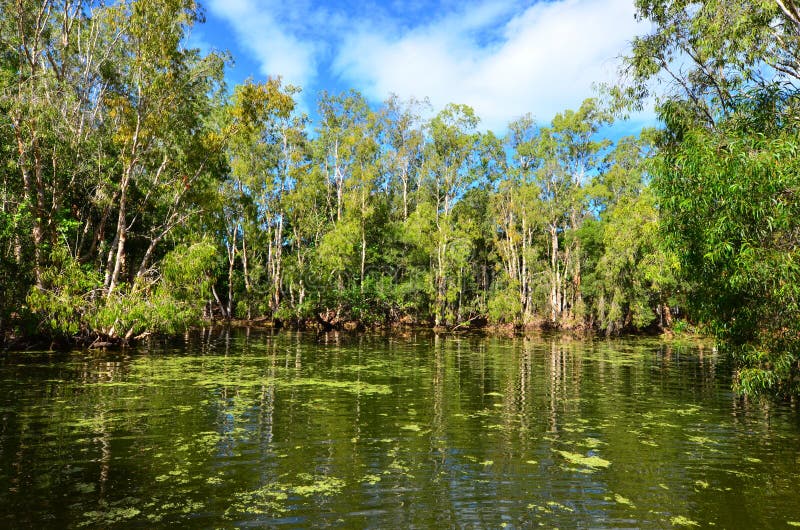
x: 230, y: 430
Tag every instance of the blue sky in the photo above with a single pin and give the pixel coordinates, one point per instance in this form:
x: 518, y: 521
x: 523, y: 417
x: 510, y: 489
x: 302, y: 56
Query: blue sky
x: 503, y: 57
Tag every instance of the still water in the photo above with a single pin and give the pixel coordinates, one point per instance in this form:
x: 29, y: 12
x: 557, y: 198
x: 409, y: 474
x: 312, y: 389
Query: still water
x: 232, y: 429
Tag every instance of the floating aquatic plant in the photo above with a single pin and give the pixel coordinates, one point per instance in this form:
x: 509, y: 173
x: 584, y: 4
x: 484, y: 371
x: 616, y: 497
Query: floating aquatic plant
x: 592, y: 461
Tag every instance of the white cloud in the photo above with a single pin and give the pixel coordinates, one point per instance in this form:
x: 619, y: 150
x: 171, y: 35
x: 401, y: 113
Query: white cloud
x: 502, y: 57
x: 543, y: 60
x: 275, y: 46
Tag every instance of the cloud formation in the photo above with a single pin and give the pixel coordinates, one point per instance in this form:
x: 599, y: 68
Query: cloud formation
x: 274, y: 41
x: 502, y: 57
x: 545, y: 60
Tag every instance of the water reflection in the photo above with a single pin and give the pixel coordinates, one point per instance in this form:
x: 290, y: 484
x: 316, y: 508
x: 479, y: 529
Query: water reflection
x: 229, y: 428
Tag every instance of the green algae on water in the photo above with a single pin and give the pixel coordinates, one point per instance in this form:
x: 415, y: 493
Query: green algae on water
x: 592, y: 461
x: 317, y: 485
x: 619, y: 499
x: 680, y: 520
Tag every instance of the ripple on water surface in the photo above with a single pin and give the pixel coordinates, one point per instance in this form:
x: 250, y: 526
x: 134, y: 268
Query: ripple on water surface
x: 249, y: 430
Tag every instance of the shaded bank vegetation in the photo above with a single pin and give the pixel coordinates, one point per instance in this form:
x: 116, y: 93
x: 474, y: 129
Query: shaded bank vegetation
x: 141, y: 194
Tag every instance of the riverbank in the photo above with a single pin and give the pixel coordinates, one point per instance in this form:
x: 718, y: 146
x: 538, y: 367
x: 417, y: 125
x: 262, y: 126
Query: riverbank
x: 92, y: 340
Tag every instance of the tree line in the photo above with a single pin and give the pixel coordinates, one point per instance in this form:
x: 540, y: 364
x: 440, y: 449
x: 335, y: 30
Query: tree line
x: 141, y: 194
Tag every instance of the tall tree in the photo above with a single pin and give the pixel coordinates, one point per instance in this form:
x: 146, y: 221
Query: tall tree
x: 518, y: 209
x: 265, y: 137
x: 156, y: 107
x: 707, y: 51
x: 402, y: 136
x: 348, y: 151
x: 569, y: 153
x: 450, y: 157
x: 52, y: 91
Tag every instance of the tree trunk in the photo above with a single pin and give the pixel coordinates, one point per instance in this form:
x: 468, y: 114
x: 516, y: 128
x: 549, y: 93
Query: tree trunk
x: 363, y: 254
x: 339, y: 178
x: 555, y: 304
x: 219, y: 302
x: 121, y: 234
x: 231, y: 261
x: 523, y: 273
x: 577, y: 296
x: 34, y: 195
x: 122, y: 224
x: 277, y: 273
x: 441, y: 286
x: 405, y: 192
x: 246, y: 274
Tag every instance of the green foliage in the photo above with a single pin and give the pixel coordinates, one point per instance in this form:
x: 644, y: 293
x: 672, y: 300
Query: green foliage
x: 629, y: 267
x: 130, y: 312
x: 187, y: 271
x: 726, y: 173
x: 730, y: 212
x: 171, y: 305
x: 505, y: 306
x: 710, y: 50
x: 68, y: 293
x: 337, y: 249
x: 15, y: 273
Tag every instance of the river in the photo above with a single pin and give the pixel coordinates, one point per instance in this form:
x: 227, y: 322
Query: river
x: 236, y: 428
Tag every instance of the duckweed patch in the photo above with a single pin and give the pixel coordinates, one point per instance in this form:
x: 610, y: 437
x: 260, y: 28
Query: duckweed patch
x: 559, y: 506
x: 686, y: 411
x: 317, y: 485
x: 268, y: 500
x: 619, y: 499
x: 111, y: 515
x: 702, y: 440
x: 592, y: 443
x: 591, y: 461
x: 272, y: 499
x: 355, y: 387
x: 680, y: 520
